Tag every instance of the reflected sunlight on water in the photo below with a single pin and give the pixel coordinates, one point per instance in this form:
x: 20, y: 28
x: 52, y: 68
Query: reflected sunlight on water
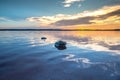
x: 90, y: 55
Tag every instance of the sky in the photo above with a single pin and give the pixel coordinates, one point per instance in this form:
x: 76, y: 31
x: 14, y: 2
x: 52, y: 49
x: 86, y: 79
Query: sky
x: 63, y: 14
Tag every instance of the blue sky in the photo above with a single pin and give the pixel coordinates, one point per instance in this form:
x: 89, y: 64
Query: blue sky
x: 13, y: 13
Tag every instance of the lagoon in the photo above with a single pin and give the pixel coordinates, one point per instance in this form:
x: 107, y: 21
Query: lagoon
x: 89, y: 55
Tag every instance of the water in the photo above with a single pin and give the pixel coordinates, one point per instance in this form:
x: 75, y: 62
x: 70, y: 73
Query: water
x: 89, y: 55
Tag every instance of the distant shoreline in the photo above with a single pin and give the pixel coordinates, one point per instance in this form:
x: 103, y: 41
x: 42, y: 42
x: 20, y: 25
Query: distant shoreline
x: 59, y: 29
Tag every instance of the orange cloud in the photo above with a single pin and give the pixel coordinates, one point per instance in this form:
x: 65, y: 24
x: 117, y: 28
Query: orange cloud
x: 103, y: 16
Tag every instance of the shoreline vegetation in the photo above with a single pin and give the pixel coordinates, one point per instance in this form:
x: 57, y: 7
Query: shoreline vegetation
x: 59, y: 29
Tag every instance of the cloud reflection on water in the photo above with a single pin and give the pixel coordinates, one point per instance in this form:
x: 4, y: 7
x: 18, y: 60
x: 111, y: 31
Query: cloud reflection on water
x: 88, y: 54
x: 98, y: 41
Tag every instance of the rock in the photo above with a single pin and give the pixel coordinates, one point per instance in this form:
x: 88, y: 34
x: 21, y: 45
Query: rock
x: 60, y: 45
x: 43, y: 38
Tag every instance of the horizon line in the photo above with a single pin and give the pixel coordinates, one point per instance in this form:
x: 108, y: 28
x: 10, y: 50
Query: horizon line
x: 59, y: 29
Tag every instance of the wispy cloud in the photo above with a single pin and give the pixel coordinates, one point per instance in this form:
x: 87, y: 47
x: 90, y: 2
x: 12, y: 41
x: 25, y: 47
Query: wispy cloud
x: 3, y: 19
x: 105, y: 15
x: 10, y: 23
x: 68, y: 3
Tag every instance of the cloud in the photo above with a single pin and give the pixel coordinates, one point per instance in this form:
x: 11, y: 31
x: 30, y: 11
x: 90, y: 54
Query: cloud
x: 109, y: 18
x: 90, y: 19
x: 11, y: 23
x: 84, y: 20
x: 68, y: 3
x: 114, y: 13
x: 105, y: 15
x: 3, y: 19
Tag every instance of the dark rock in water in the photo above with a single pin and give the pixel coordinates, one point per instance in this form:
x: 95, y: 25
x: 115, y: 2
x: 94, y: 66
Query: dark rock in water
x: 43, y: 38
x: 60, y: 45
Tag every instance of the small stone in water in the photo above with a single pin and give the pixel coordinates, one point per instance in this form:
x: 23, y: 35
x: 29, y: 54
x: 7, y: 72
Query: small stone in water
x: 60, y: 45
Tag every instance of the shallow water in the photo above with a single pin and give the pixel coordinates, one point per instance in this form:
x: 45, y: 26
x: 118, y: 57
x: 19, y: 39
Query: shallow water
x: 92, y: 55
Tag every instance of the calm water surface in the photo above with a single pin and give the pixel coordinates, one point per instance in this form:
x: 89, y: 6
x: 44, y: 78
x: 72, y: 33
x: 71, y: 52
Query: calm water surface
x: 89, y: 55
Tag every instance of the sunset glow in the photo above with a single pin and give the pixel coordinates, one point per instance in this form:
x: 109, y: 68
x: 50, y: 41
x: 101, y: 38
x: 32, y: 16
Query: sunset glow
x: 106, y: 16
